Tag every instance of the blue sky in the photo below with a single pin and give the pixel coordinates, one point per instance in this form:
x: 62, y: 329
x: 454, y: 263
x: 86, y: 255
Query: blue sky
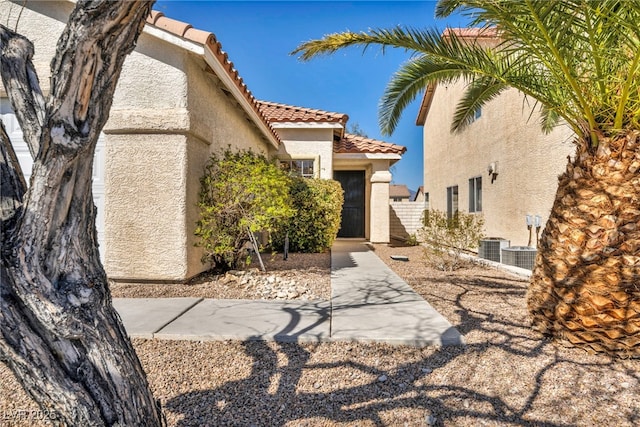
x: 259, y: 36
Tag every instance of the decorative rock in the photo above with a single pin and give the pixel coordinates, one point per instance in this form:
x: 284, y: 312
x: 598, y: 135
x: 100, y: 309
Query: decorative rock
x: 382, y: 378
x: 280, y: 286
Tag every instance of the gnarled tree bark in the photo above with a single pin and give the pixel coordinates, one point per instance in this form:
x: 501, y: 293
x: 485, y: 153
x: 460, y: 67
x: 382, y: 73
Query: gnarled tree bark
x: 59, y: 332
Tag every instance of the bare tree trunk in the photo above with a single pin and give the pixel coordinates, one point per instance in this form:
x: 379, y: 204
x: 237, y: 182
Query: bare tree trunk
x: 59, y: 332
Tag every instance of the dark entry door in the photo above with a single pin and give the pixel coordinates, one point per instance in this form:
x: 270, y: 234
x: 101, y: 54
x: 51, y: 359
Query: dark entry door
x: 352, y: 182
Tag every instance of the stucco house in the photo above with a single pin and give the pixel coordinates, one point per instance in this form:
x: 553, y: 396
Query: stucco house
x: 315, y: 143
x: 180, y: 99
x: 399, y: 193
x: 420, y: 197
x: 502, y: 166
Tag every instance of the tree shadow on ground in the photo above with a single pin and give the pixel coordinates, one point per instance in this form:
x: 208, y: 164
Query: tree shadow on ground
x: 372, y: 392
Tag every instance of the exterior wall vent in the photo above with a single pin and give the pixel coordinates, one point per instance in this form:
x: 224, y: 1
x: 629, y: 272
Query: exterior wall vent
x: 519, y: 256
x: 490, y: 248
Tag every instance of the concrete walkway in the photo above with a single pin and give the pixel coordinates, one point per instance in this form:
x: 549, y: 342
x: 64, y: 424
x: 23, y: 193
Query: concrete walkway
x: 369, y: 302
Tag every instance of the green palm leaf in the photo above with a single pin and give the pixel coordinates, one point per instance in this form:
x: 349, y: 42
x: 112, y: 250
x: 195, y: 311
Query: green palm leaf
x: 579, y: 59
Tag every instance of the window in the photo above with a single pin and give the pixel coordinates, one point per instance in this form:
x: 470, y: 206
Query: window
x: 426, y: 200
x: 452, y: 201
x: 475, y: 194
x: 303, y: 168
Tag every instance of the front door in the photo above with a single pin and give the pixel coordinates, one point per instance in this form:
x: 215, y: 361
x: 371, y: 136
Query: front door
x: 352, y: 182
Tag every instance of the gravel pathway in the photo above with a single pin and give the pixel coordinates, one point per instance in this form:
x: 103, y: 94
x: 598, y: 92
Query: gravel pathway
x: 505, y: 376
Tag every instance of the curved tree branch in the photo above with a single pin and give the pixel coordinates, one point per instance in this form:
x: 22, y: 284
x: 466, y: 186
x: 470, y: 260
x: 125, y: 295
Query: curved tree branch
x: 22, y: 85
x: 12, y: 183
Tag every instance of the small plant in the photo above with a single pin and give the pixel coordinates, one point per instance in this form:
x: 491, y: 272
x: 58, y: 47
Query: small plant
x: 412, y: 240
x: 448, y: 237
x: 239, y: 191
x: 317, y: 205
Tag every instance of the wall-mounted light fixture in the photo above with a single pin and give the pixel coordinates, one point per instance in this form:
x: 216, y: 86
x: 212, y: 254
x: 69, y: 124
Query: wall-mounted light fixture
x: 492, y: 169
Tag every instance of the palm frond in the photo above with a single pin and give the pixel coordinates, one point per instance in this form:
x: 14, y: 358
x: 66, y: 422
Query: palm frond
x: 480, y: 91
x: 409, y: 82
x: 398, y: 37
x: 579, y: 59
x: 549, y: 119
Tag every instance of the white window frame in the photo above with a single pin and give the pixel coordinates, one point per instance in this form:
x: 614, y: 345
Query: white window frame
x: 453, y: 203
x: 314, y: 160
x: 475, y: 194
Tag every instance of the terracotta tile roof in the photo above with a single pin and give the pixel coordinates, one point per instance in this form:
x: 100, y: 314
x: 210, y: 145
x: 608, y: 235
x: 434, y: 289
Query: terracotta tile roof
x: 347, y: 143
x: 289, y: 113
x: 355, y: 144
x: 206, y: 38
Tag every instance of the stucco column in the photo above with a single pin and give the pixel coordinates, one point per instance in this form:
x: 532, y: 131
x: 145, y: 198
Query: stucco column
x: 380, y: 180
x: 145, y: 224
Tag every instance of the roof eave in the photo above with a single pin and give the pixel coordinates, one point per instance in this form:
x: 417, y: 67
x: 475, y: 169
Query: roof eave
x: 367, y: 156
x: 306, y: 125
x: 173, y: 39
x: 249, y: 109
x: 203, y: 43
x: 425, y: 105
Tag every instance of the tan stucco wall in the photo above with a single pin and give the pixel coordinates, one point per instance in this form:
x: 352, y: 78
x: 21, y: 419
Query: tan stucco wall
x: 380, y: 179
x: 146, y: 215
x: 168, y: 116
x: 192, y: 119
x: 215, y: 116
x: 528, y: 162
x: 305, y: 143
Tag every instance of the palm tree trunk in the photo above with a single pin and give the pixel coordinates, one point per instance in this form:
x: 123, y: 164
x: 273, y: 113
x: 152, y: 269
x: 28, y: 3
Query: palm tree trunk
x: 585, y: 287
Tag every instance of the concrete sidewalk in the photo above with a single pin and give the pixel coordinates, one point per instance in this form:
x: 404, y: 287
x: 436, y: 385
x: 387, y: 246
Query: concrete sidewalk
x: 372, y: 303
x: 369, y: 302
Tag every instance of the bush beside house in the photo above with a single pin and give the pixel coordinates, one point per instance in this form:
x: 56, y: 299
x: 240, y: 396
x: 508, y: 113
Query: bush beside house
x: 240, y: 191
x: 317, y: 204
x: 448, y: 237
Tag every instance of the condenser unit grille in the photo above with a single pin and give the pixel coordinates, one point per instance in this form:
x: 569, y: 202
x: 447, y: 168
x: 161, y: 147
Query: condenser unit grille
x: 491, y: 248
x: 519, y: 256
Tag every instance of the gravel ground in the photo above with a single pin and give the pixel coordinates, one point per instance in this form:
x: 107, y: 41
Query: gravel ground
x: 505, y: 376
x: 300, y: 276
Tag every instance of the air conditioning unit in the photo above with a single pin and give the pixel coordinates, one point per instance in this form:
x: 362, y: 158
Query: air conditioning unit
x: 490, y: 248
x: 519, y: 256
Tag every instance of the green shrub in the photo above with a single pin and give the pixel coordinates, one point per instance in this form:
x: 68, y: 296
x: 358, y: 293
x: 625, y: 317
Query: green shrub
x: 314, y: 226
x: 412, y: 240
x: 239, y: 191
x: 448, y: 238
